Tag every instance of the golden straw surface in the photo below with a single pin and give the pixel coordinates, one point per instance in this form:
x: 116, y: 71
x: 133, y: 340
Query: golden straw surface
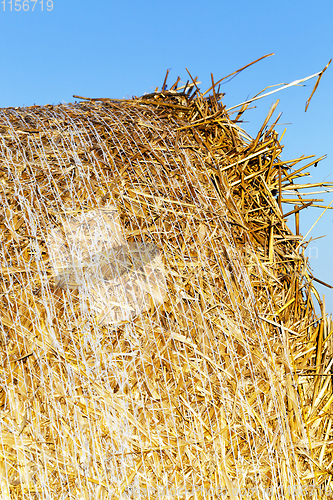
x: 221, y: 388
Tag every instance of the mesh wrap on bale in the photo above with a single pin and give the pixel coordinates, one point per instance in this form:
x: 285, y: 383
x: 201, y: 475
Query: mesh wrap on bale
x: 190, y: 374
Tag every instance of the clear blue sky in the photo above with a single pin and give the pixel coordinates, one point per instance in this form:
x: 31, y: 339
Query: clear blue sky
x: 119, y: 49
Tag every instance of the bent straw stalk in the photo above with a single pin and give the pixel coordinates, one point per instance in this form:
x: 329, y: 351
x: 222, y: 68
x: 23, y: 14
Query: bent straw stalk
x: 158, y: 332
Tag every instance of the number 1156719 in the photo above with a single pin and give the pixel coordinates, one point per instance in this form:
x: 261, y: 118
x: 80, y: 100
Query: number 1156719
x: 26, y: 5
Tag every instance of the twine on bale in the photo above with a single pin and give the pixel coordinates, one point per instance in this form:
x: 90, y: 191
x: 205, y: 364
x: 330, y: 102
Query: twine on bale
x: 191, y: 374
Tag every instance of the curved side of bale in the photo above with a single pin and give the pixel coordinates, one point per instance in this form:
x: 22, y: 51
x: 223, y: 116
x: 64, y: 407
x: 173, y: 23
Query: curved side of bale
x: 207, y: 391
